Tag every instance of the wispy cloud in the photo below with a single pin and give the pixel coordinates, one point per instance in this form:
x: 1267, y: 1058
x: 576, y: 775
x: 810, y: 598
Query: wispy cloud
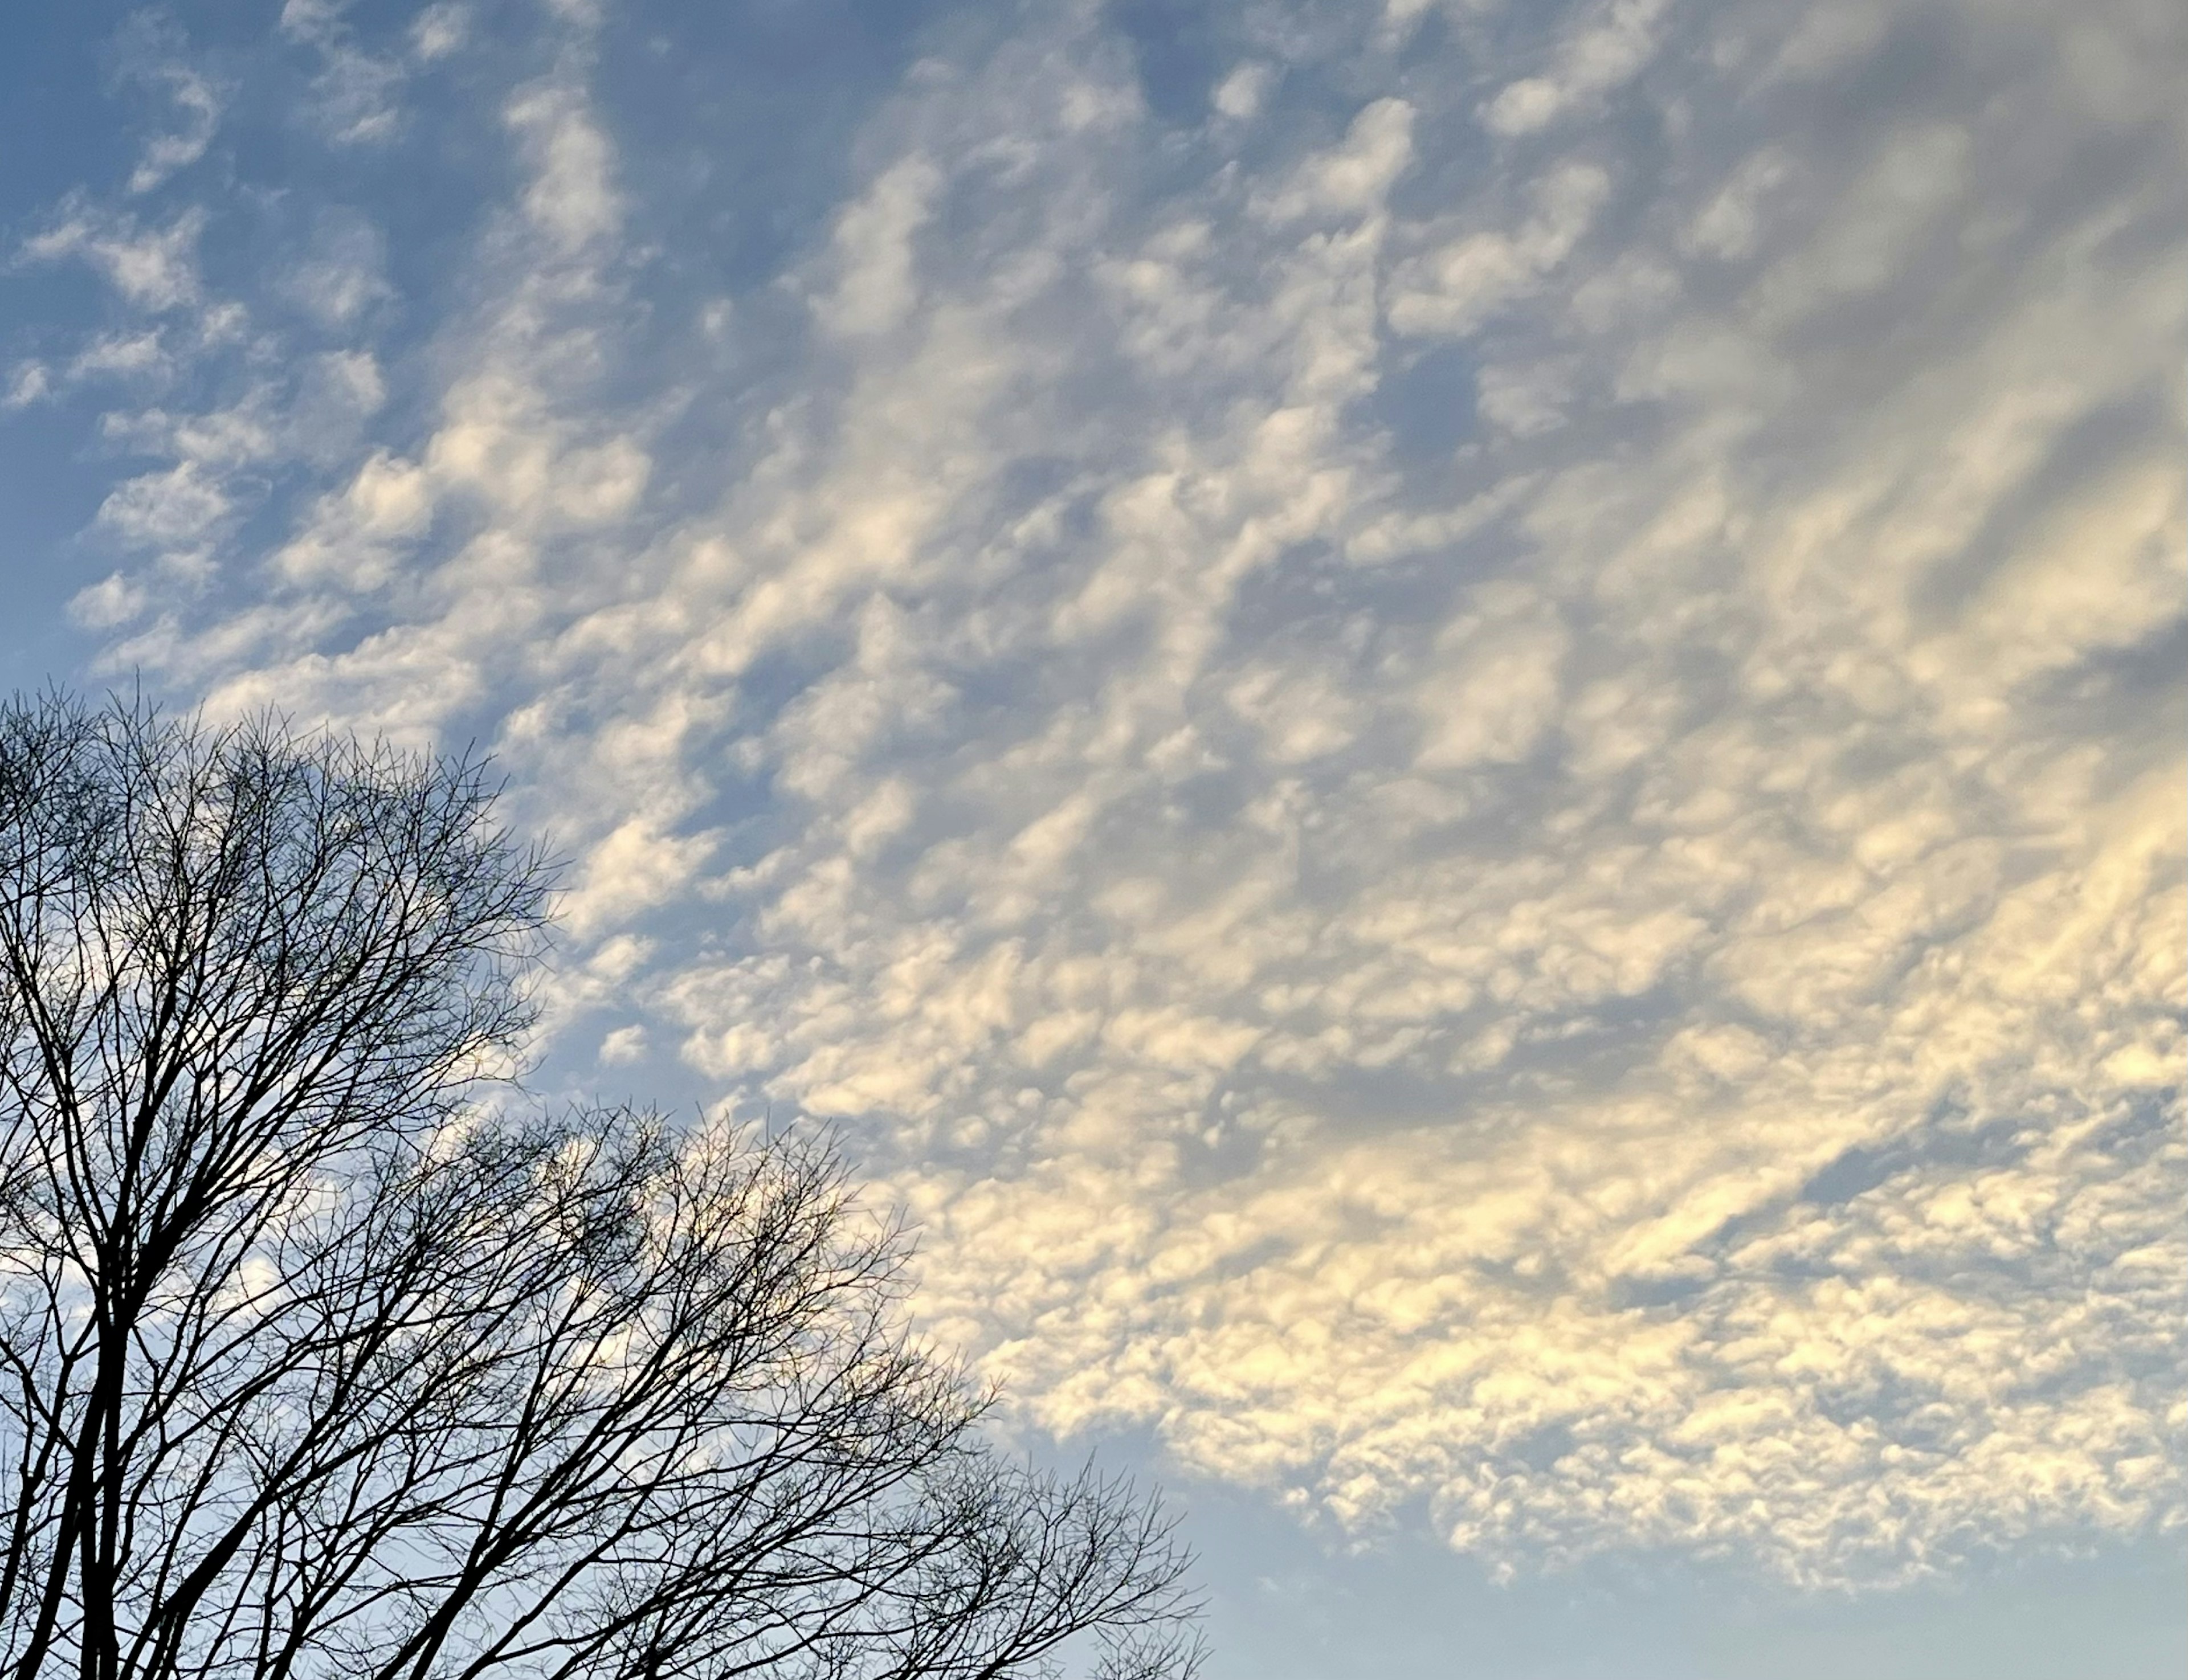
x: 355, y: 96
x: 154, y: 269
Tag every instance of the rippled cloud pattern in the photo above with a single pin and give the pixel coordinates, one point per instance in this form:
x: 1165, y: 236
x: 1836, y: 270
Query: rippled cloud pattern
x: 1455, y: 730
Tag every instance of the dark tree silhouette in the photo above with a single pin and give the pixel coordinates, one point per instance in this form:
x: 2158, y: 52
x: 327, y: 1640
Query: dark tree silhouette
x: 319, y: 1357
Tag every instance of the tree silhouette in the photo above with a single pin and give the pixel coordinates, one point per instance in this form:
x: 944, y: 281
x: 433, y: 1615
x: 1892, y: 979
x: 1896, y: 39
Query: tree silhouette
x: 316, y: 1359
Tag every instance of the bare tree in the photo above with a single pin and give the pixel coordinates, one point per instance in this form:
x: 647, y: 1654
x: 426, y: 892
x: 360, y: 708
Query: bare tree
x: 314, y: 1362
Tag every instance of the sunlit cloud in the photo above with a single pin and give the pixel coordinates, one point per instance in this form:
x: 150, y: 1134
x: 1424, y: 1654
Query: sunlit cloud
x: 1461, y: 752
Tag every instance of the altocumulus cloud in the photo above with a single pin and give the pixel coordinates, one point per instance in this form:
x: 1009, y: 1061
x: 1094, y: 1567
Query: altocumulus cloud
x: 1455, y: 731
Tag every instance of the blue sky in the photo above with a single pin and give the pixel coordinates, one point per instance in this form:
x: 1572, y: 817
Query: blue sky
x: 1454, y: 729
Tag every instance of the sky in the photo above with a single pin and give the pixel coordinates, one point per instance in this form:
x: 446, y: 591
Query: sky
x: 1454, y: 730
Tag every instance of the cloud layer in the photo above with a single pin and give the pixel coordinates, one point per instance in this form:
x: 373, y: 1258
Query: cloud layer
x: 1456, y: 734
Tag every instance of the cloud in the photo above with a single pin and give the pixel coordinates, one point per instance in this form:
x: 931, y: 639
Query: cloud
x: 874, y: 290
x: 31, y: 382
x: 355, y: 97
x: 1610, y: 973
x: 311, y: 19
x: 113, y: 600
x: 623, y: 1045
x: 358, y: 99
x: 1240, y: 94
x: 153, y: 269
x: 153, y: 58
x: 165, y: 510
x: 121, y: 355
x: 1606, y: 48
x: 1356, y: 176
x: 1913, y: 183
x: 1449, y: 291
x: 1729, y: 224
x: 440, y: 30
x: 200, y: 108
x: 343, y: 274
x: 571, y: 195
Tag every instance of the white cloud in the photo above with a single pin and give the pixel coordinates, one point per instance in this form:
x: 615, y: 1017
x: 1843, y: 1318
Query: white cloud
x: 1617, y: 976
x: 312, y: 21
x: 199, y: 106
x: 343, y: 275
x: 572, y: 195
x: 356, y: 536
x: 1239, y: 95
x: 1449, y: 291
x: 440, y: 30
x: 1525, y: 402
x: 623, y: 1045
x: 113, y: 601
x: 1729, y: 225
x: 633, y: 868
x: 1355, y: 177
x: 165, y: 510
x: 354, y: 97
x: 120, y: 354
x: 1496, y: 684
x: 31, y: 382
x: 1605, y: 51
x: 874, y: 288
x: 154, y: 269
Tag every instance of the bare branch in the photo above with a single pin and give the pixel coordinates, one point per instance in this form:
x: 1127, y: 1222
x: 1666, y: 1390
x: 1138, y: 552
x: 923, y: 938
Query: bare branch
x: 313, y: 1365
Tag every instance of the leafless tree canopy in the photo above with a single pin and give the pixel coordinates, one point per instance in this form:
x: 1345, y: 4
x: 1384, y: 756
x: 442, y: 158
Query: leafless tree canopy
x: 314, y: 1363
